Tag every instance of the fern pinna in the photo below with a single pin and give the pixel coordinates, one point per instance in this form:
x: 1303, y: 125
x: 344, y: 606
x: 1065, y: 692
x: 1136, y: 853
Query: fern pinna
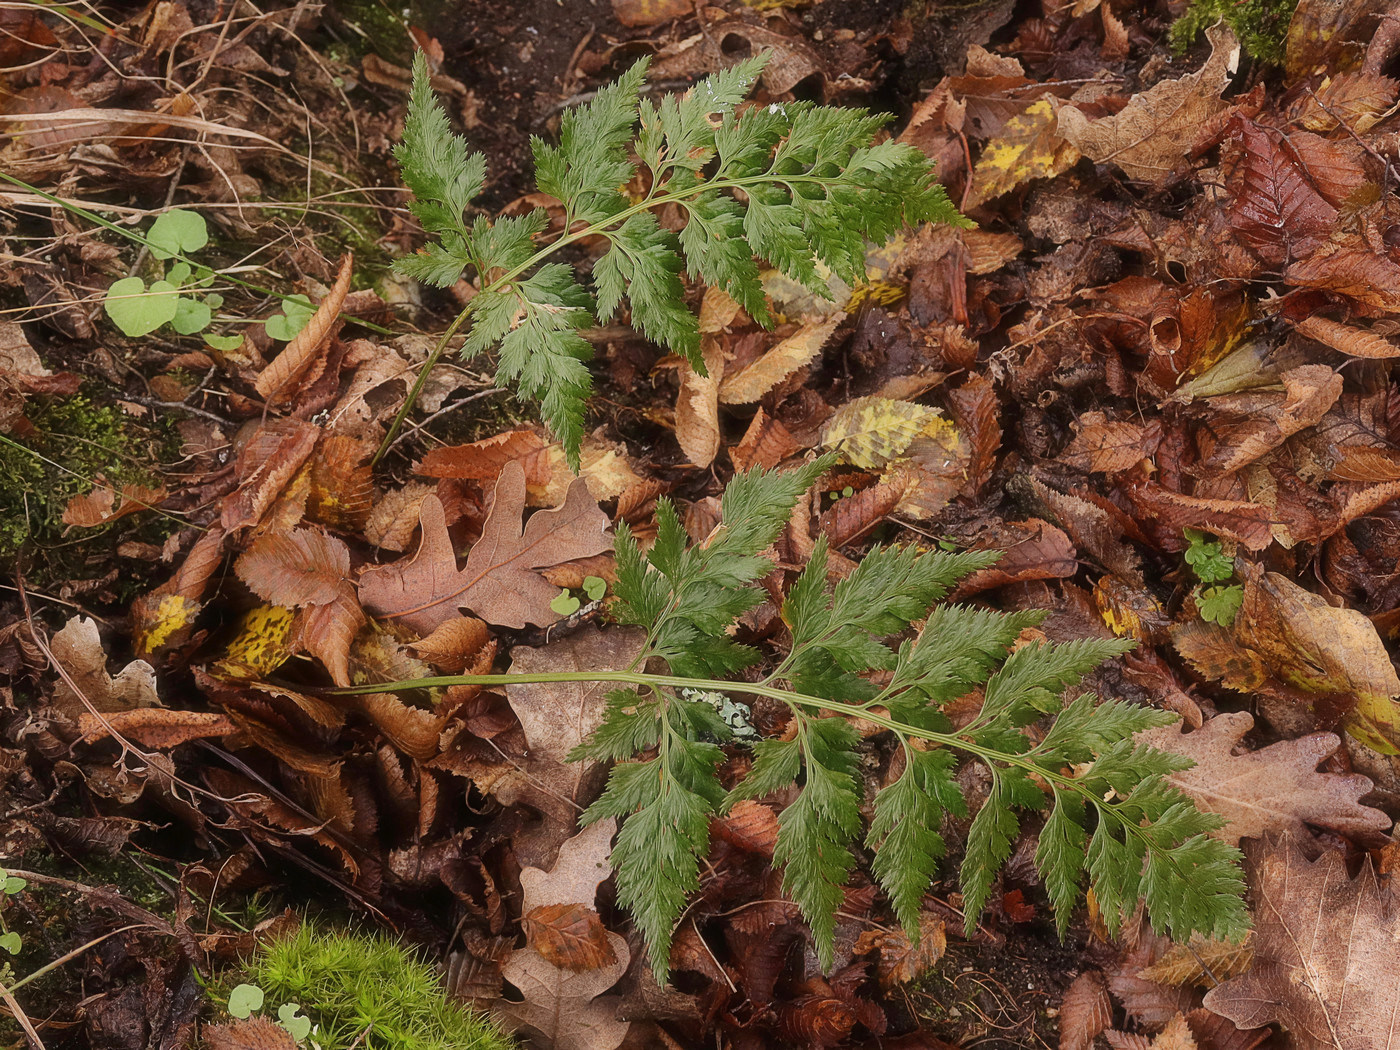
x: 798, y: 185
x: 1102, y: 803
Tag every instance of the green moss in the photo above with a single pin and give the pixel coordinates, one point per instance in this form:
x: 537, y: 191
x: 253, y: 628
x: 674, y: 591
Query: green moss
x: 1261, y: 25
x: 74, y: 441
x: 368, y: 991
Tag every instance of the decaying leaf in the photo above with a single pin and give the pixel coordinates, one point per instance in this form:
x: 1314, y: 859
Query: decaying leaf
x: 1309, y: 391
x: 566, y: 1009
x: 298, y: 354
x: 1085, y: 1011
x: 157, y: 727
x: 1027, y: 148
x: 871, y: 431
x: 256, y: 1033
x: 1276, y: 789
x: 796, y: 351
x: 78, y: 649
x: 1326, y: 952
x: 1201, y: 962
x: 1322, y: 649
x: 1176, y: 1036
x: 899, y: 960
x: 697, y: 406
x: 498, y: 583
x: 1152, y: 135
x: 100, y: 507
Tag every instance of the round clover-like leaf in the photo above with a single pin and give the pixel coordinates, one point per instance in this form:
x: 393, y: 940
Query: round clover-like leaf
x: 564, y: 603
x: 177, y: 232
x: 12, y: 884
x: 138, y: 310
x: 226, y: 343
x: 244, y: 1000
x: 11, y: 942
x: 296, y: 311
x: 595, y: 587
x: 191, y: 316
x: 298, y: 1027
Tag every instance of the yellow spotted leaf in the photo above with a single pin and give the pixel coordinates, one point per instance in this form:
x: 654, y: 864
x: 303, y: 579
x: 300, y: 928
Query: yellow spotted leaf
x: 1028, y: 148
x: 174, y: 613
x: 262, y: 644
x: 870, y: 431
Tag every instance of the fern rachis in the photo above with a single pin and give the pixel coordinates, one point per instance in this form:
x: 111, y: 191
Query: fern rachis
x: 1107, y: 806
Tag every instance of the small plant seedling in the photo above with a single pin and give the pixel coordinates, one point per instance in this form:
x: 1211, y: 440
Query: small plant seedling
x: 565, y: 604
x: 805, y: 187
x: 1216, y: 601
x: 245, y: 1000
x: 1105, y: 807
x: 139, y: 309
x: 290, y: 1018
x: 10, y: 941
x: 595, y: 587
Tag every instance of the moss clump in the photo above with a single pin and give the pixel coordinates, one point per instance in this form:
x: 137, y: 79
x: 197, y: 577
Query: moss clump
x: 368, y: 991
x: 74, y: 442
x: 1260, y: 25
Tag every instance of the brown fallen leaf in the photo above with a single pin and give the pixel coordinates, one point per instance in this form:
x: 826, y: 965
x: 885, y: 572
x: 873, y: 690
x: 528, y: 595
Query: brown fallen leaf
x: 581, y: 866
x: 1201, y: 962
x: 77, y: 648
x: 483, y: 460
x: 1108, y: 446
x: 1309, y: 392
x: 1356, y: 342
x: 638, y: 13
x: 1352, y: 270
x: 256, y: 1033
x: 570, y: 936
x: 1316, y: 647
x: 899, y: 960
x: 298, y: 354
x: 1152, y: 135
x: 1176, y: 1036
x: 1029, y: 147
x: 99, y: 507
x: 697, y: 406
x: 1274, y: 208
x: 566, y: 1009
x: 1326, y: 952
x: 1275, y: 789
x: 498, y: 583
x: 156, y: 727
x: 796, y: 351
x: 1085, y: 1011
x: 765, y: 444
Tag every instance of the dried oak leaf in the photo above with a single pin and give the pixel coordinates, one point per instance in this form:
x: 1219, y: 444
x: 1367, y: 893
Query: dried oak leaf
x: 1326, y: 952
x: 498, y: 583
x: 1275, y: 789
x: 1151, y: 136
x: 1085, y: 1011
x: 566, y: 1009
x: 574, y: 879
x: 77, y: 648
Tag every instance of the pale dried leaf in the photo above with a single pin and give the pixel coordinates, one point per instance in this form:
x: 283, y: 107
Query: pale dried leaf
x: 307, y: 343
x: 566, y: 1009
x: 582, y: 865
x: 796, y: 351
x: 1201, y: 962
x: 77, y: 648
x: 697, y: 407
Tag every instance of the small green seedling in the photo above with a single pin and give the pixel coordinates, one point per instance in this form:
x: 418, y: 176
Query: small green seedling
x: 290, y: 1018
x: 595, y: 587
x: 245, y: 1000
x: 1216, y: 601
x: 139, y: 309
x: 296, y: 311
x: 10, y: 941
x: 565, y: 604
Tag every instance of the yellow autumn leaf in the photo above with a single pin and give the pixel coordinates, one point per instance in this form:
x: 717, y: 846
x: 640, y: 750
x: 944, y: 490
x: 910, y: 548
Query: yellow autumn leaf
x: 262, y: 644
x: 1028, y: 148
x: 870, y: 431
x: 796, y: 351
x: 174, y: 613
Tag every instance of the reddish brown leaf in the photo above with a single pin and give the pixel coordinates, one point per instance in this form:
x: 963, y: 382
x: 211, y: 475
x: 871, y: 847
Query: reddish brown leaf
x: 1085, y: 1011
x: 1357, y: 342
x: 974, y: 406
x: 256, y: 1033
x: 1107, y: 446
x: 277, y: 377
x: 98, y: 507
x: 749, y: 825
x: 483, y: 460
x: 341, y: 488
x: 156, y: 727
x: 1034, y: 550
x: 498, y: 583
x: 1248, y: 523
x: 1356, y: 272
x: 1309, y: 391
x: 1353, y: 99
x: 899, y: 960
x: 765, y: 444
x: 275, y: 452
x: 453, y: 643
x: 1274, y: 209
x: 302, y: 567
x: 570, y: 936
x: 848, y: 519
